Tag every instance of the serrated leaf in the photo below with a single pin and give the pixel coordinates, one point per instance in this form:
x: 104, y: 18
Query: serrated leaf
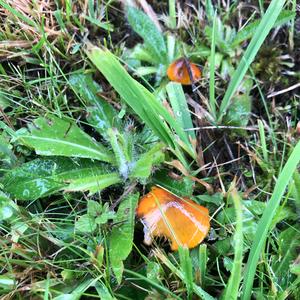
x: 139, y: 53
x: 42, y: 177
x: 7, y: 157
x: 121, y: 237
x: 92, y: 182
x: 52, y: 136
x: 228, y: 263
x: 152, y: 37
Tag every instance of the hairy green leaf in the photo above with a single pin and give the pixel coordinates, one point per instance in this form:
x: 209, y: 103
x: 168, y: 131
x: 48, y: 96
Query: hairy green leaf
x: 52, y: 136
x: 143, y: 167
x: 121, y: 237
x: 101, y: 114
x: 152, y: 37
x: 42, y: 177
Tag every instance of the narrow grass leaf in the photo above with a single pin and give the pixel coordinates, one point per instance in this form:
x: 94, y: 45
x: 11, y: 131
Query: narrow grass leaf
x: 295, y: 189
x: 266, y: 220
x: 152, y: 283
x: 17, y: 13
x: 197, y: 289
x: 263, y: 140
x: 136, y: 96
x: 209, y: 9
x: 144, y: 103
x: 248, y: 31
x: 78, y: 291
x: 202, y: 263
x: 212, y: 99
x: 232, y: 287
x: 172, y: 13
x: 180, y: 107
x: 187, y: 269
x: 103, y: 291
x: 266, y: 24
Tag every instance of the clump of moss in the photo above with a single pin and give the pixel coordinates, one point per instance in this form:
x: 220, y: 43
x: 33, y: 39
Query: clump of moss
x: 271, y: 64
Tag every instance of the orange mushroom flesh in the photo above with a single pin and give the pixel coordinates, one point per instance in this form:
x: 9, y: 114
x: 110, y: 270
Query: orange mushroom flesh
x: 184, y: 72
x: 182, y: 221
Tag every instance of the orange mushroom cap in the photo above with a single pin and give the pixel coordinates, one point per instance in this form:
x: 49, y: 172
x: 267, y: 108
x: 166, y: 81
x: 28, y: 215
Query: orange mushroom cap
x: 181, y: 220
x: 184, y: 72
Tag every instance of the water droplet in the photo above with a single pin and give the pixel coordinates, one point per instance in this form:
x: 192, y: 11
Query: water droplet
x: 26, y: 193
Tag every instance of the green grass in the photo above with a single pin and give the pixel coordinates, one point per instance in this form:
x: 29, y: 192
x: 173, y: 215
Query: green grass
x: 261, y: 32
x: 89, y: 122
x: 265, y: 222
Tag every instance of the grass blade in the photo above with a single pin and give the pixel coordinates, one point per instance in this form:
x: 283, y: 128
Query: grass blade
x: 17, y: 14
x: 261, y: 33
x: 202, y: 263
x: 212, y: 99
x: 266, y: 220
x: 144, y: 103
x: 180, y: 107
x: 248, y: 31
x: 231, y: 291
x: 172, y: 13
x: 187, y: 270
x: 263, y: 140
x: 197, y: 289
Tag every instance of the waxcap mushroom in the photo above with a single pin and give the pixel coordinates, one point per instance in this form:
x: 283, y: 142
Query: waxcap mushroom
x: 181, y: 220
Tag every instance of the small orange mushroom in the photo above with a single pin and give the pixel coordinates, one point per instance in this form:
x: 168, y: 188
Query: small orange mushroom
x: 184, y: 72
x: 181, y: 220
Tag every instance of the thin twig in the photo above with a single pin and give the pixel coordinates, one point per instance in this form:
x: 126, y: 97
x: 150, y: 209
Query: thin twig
x: 295, y: 86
